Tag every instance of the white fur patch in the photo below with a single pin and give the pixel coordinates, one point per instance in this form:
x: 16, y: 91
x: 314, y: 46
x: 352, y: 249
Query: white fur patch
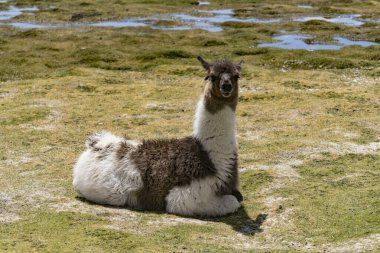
x: 107, y: 180
x: 217, y: 134
x: 199, y: 198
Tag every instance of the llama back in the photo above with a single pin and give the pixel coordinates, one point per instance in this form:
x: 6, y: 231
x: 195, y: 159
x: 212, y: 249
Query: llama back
x: 166, y: 164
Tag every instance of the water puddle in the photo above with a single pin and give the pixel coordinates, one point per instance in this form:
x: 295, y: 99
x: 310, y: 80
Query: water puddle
x: 348, y: 20
x: 26, y: 25
x: 298, y: 42
x: 13, y: 12
x: 208, y: 20
x: 305, y: 6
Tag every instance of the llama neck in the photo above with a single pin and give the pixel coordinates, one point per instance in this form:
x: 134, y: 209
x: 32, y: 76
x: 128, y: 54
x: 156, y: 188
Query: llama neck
x: 217, y: 133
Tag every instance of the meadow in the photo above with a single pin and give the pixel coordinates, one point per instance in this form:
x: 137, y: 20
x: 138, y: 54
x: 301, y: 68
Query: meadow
x: 308, y: 124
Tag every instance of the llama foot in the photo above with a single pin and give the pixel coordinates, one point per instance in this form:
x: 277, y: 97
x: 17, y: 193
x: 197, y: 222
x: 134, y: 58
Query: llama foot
x: 230, y: 204
x: 237, y: 195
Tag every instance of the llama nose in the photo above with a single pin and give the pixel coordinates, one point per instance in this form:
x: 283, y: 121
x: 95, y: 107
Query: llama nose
x: 226, y: 87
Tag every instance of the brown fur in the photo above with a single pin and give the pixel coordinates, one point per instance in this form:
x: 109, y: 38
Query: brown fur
x: 216, y: 102
x: 231, y: 186
x: 123, y: 149
x: 165, y: 164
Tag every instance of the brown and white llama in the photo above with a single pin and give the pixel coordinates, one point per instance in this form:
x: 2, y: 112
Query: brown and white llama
x: 196, y: 175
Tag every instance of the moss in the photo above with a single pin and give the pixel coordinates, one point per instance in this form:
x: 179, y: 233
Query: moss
x: 329, y: 10
x: 234, y: 24
x: 211, y: 43
x: 29, y: 33
x: 86, y: 88
x: 173, y: 54
x: 317, y: 25
x: 90, y: 55
x: 254, y: 51
x: 168, y: 54
x: 167, y: 23
x: 266, y: 31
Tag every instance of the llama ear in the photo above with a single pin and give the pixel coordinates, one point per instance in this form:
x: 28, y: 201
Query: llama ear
x: 238, y: 66
x: 205, y: 64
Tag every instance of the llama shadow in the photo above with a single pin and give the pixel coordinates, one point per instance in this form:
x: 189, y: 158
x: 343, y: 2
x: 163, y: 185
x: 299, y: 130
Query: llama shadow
x: 242, y: 223
x: 239, y: 221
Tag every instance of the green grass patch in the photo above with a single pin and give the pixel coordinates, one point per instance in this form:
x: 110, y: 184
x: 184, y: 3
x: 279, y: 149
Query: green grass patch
x: 166, y: 54
x: 338, y: 199
x: 24, y: 116
x: 65, y: 232
x: 211, y: 43
x: 234, y: 24
x: 254, y: 51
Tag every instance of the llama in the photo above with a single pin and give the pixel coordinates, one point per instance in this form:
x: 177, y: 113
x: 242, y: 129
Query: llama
x: 192, y: 176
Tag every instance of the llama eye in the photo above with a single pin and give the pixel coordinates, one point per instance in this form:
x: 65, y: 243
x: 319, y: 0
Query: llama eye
x: 213, y: 78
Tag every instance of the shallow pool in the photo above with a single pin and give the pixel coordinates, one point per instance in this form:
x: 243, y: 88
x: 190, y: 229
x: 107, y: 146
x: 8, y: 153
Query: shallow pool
x: 209, y: 20
x: 294, y: 41
x: 13, y: 12
x: 348, y: 20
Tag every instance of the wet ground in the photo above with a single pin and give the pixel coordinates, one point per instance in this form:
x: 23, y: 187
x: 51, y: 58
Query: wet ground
x: 209, y: 20
x: 294, y: 41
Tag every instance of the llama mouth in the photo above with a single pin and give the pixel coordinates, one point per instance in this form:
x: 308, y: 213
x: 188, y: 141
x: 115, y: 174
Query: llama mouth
x: 226, y: 94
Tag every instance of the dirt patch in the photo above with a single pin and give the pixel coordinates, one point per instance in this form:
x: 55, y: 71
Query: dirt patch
x: 174, y: 221
x: 344, y: 148
x: 84, y: 207
x: 343, y: 133
x: 255, y: 167
x: 370, y: 243
x: 124, y: 219
x: 16, y: 161
x: 50, y: 123
x: 250, y: 136
x: 7, y: 217
x: 45, y: 103
x: 358, y: 79
x: 156, y: 106
x: 8, y: 94
x: 31, y: 196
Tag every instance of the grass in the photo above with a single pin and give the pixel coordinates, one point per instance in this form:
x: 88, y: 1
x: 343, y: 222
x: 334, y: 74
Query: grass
x: 308, y: 127
x: 341, y: 192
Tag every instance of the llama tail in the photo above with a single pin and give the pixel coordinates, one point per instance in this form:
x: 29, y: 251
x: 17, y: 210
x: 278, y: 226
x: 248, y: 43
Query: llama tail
x: 101, y: 140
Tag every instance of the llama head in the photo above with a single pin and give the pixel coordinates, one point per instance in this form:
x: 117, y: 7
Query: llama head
x: 223, y: 78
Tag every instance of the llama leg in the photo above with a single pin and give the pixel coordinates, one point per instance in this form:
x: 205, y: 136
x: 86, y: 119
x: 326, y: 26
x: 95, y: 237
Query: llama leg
x: 198, y: 199
x: 238, y: 195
